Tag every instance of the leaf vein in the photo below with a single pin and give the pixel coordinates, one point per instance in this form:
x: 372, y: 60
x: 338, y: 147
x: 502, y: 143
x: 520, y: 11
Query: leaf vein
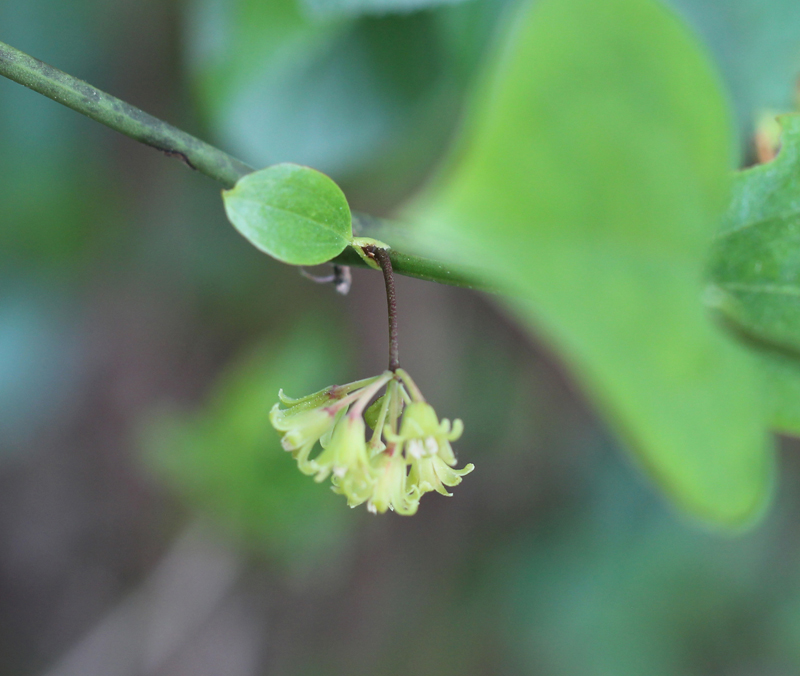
x: 323, y: 224
x: 773, y: 289
x: 794, y: 213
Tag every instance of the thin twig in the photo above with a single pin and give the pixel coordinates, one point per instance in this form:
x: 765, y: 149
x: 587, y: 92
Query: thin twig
x: 120, y: 116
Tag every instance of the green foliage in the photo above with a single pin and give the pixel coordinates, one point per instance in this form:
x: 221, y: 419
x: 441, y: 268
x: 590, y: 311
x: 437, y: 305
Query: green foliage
x: 228, y: 462
x: 234, y: 43
x: 372, y: 414
x: 370, y: 101
x: 756, y: 258
x: 591, y: 185
x: 293, y: 213
x: 755, y: 270
x: 783, y: 391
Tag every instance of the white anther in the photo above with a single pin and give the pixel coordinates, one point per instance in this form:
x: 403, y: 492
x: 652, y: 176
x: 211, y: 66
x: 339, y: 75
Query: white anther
x: 415, y: 448
x: 431, y: 446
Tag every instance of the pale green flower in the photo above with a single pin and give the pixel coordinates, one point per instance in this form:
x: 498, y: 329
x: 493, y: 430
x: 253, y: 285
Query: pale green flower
x: 302, y: 429
x: 373, y: 472
x: 426, y: 442
x: 424, y: 436
x: 346, y: 457
x: 311, y: 419
x: 392, y: 489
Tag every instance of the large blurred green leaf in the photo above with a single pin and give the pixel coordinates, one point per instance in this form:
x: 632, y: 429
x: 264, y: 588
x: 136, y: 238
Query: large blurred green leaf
x: 590, y: 181
x: 226, y: 459
x: 783, y: 391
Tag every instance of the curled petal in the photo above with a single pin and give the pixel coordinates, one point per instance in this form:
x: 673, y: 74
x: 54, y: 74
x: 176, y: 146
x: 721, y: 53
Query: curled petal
x: 446, y: 452
x: 455, y: 433
x: 301, y: 429
x: 306, y: 466
x: 433, y: 474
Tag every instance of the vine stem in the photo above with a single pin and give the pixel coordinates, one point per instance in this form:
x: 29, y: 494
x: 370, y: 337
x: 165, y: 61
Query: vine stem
x: 199, y: 155
x: 382, y: 257
x: 120, y: 116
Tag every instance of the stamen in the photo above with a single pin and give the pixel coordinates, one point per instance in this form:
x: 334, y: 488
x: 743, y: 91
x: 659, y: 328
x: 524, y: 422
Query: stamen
x: 415, y: 448
x: 431, y: 446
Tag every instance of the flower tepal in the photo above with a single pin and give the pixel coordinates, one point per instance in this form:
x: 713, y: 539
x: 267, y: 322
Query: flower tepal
x: 427, y: 443
x: 408, y: 454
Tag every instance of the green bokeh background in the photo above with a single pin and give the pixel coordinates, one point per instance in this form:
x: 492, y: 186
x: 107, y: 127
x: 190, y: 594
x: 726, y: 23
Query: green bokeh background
x: 150, y: 523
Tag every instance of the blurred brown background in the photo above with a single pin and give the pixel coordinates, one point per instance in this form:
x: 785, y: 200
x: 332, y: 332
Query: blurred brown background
x: 150, y: 523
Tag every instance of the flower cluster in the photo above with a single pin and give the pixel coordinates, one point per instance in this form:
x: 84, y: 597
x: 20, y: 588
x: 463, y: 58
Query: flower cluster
x: 407, y: 455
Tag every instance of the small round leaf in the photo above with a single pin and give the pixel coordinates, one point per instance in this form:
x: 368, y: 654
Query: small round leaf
x: 295, y: 214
